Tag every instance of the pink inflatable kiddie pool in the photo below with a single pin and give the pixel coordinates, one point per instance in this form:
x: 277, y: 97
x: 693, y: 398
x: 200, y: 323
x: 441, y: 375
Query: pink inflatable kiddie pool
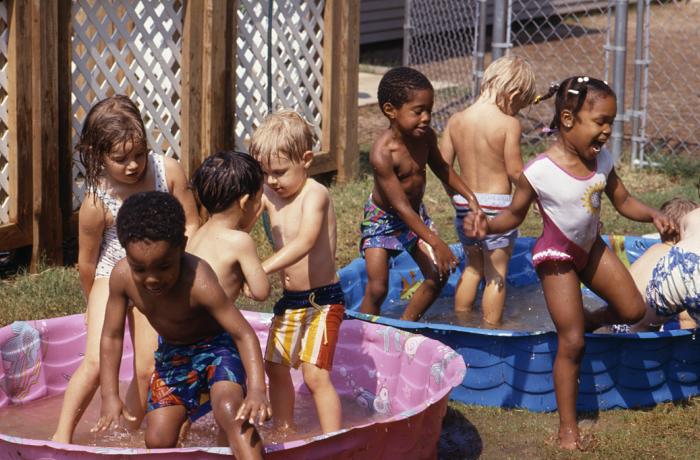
x: 394, y: 383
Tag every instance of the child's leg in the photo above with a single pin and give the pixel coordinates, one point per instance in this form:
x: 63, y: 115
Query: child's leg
x: 163, y: 426
x: 281, y: 395
x: 243, y: 438
x: 563, y: 295
x: 495, y: 271
x: 609, y: 278
x: 428, y: 291
x: 145, y: 342
x: 377, y: 266
x: 85, y: 380
x: 468, y: 284
x: 325, y: 397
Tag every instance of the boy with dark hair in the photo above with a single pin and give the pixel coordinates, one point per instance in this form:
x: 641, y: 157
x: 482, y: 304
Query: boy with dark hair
x: 202, y: 333
x: 394, y: 216
x: 230, y: 185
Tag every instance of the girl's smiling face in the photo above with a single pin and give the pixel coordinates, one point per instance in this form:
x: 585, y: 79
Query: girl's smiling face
x: 589, y: 129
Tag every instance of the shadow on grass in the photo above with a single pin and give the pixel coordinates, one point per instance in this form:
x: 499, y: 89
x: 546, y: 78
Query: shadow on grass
x: 459, y: 438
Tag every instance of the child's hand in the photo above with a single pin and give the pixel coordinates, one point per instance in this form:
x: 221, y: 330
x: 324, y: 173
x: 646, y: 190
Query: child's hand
x: 255, y: 403
x: 475, y: 224
x: 246, y: 291
x: 112, y: 408
x: 665, y: 226
x: 445, y: 261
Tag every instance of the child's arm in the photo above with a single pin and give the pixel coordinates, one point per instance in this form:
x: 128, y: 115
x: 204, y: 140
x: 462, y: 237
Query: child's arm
x: 212, y: 297
x: 91, y: 225
x: 313, y: 211
x: 448, y: 176
x: 256, y: 284
x: 633, y: 209
x: 181, y: 190
x: 511, y: 150
x: 510, y: 217
x: 111, y: 344
x: 447, y: 151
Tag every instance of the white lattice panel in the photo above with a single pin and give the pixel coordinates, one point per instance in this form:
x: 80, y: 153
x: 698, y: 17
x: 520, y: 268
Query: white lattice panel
x: 4, y: 130
x: 296, y: 57
x: 130, y: 47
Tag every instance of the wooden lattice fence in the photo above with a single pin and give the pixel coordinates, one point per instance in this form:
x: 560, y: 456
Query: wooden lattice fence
x: 203, y: 72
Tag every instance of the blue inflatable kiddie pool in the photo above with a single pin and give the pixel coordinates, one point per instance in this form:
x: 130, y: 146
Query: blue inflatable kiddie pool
x: 514, y: 368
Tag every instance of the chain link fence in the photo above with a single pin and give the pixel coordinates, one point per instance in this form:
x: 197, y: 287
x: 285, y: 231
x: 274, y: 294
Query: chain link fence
x: 644, y: 49
x: 440, y: 42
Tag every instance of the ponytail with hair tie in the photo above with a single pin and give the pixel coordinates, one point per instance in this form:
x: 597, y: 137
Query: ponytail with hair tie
x: 553, y: 88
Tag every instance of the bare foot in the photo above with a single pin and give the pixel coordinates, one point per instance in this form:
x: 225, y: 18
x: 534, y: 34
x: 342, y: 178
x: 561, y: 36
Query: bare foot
x: 569, y: 439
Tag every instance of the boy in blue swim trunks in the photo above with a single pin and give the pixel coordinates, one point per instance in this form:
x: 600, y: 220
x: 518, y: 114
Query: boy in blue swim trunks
x: 674, y: 287
x: 305, y: 328
x: 395, y: 218
x: 485, y: 139
x: 206, y: 345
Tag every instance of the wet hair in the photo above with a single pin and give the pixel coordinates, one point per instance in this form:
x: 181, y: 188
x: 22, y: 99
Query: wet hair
x: 397, y: 84
x: 153, y: 216
x: 284, y: 133
x: 506, y: 76
x: 675, y: 209
x: 225, y: 177
x: 110, y: 123
x: 571, y: 95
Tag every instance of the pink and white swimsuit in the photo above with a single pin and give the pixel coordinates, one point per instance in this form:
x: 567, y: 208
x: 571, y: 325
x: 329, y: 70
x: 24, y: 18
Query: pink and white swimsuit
x: 570, y: 208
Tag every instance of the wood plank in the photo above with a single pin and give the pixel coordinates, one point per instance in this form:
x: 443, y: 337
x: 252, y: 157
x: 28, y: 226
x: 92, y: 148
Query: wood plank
x: 65, y: 141
x: 47, y: 225
x: 19, y: 129
x: 12, y: 236
x: 208, y: 80
x: 341, y: 65
x: 191, y: 84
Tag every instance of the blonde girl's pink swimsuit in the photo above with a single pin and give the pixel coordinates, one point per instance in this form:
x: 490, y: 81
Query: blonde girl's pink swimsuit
x: 570, y: 208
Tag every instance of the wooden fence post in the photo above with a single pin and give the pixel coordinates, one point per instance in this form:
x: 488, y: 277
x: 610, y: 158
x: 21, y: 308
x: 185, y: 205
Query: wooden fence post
x: 47, y: 218
x: 341, y: 49
x: 19, y: 232
x: 208, y: 80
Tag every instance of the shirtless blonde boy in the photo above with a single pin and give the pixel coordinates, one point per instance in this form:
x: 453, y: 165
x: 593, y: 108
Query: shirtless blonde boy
x: 485, y: 139
x: 307, y: 318
x: 230, y: 185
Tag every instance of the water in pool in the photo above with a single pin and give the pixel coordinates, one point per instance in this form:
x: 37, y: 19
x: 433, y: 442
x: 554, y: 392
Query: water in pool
x: 525, y: 310
x: 38, y: 419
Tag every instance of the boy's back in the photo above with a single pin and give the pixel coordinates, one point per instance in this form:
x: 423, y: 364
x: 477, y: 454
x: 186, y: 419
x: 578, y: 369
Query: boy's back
x: 222, y: 249
x: 486, y: 143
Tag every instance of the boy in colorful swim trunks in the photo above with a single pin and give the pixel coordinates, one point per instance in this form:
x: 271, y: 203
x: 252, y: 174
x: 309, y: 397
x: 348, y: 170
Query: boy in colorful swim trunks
x: 485, y: 139
x: 206, y: 345
x: 395, y: 218
x: 307, y: 318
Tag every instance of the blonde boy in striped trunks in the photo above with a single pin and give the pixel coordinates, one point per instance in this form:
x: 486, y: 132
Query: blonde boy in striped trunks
x: 307, y: 318
x: 485, y: 138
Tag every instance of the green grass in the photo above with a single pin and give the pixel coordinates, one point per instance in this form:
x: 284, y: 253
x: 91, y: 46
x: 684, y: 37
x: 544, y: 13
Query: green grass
x: 666, y: 431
